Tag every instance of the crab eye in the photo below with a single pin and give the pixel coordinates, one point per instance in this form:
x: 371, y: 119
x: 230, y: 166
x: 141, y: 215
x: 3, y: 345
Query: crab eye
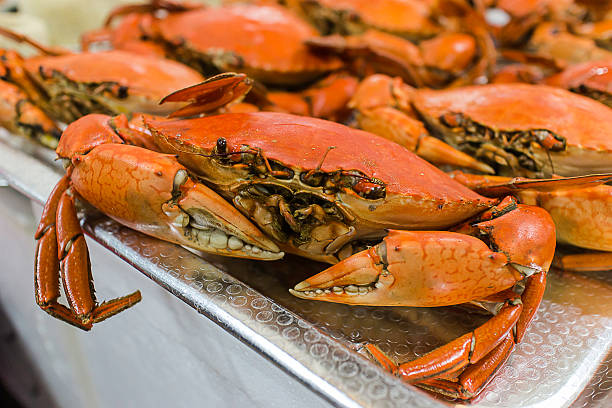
x: 221, y: 145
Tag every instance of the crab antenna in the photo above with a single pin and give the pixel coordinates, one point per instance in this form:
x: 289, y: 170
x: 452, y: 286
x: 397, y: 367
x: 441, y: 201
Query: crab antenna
x: 20, y: 38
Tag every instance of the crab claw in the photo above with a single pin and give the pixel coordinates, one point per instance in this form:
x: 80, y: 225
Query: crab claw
x: 152, y: 193
x: 414, y: 268
x: 383, y: 107
x: 440, y: 268
x: 208, y: 223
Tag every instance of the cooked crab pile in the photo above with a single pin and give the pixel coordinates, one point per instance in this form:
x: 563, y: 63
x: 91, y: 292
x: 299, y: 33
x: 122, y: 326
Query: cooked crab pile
x: 434, y: 152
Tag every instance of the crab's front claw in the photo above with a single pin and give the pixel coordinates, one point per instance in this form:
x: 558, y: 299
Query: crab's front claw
x: 414, y: 268
x: 158, y: 197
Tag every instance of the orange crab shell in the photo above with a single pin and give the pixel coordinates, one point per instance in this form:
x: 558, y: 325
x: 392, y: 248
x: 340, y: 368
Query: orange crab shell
x: 551, y: 40
x: 403, y: 17
x: 596, y: 75
x: 267, y: 42
x: 427, y: 197
x: 586, y: 125
x: 146, y: 78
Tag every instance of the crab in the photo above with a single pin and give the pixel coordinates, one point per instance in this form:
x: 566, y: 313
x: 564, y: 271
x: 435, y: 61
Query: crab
x: 580, y: 207
x: 592, y: 79
x: 62, y: 86
x: 258, y: 184
x: 411, y: 19
x: 554, y: 41
x: 219, y: 39
x: 462, y: 54
x: 517, y: 129
x: 522, y: 16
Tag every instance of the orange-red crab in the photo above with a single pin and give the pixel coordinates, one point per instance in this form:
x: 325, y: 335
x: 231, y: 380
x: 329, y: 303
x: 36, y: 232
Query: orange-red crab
x: 265, y: 42
x: 592, y: 79
x: 523, y: 15
x: 315, y: 188
x: 376, y: 40
x: 580, y: 207
x: 411, y: 19
x: 553, y: 45
x: 68, y: 85
x: 518, y: 129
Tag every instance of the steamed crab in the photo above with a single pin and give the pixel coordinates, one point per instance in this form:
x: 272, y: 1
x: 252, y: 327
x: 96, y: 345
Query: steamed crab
x: 252, y: 185
x: 265, y: 42
x: 592, y: 79
x: 517, y: 129
x: 60, y: 85
x: 417, y: 48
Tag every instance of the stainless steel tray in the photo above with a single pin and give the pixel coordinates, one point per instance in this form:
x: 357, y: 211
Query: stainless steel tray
x: 564, y: 359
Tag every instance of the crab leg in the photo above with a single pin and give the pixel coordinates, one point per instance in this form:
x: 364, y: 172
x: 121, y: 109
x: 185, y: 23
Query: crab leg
x: 479, y: 372
x: 587, y: 262
x: 475, y: 376
x: 326, y: 99
x: 395, y: 125
x: 46, y: 266
x: 453, y: 356
x: 211, y: 94
x: 383, y: 108
x: 61, y: 246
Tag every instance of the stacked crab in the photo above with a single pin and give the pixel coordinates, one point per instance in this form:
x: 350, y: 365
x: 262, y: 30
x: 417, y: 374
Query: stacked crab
x: 259, y: 165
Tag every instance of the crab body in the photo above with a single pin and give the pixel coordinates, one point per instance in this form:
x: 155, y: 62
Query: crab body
x: 63, y: 86
x: 408, y: 18
x: 360, y: 193
x: 530, y: 130
x: 592, y: 79
x: 108, y: 82
x: 230, y: 38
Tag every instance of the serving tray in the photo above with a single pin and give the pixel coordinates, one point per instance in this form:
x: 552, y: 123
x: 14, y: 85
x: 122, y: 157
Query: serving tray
x: 564, y: 359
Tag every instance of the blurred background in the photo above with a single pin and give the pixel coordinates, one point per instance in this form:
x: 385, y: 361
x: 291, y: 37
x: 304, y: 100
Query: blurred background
x: 57, y: 22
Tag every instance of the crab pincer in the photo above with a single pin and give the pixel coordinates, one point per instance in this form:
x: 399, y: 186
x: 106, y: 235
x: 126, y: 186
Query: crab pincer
x: 487, y: 255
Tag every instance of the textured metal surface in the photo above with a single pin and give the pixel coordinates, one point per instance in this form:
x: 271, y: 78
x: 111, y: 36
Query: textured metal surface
x: 559, y: 360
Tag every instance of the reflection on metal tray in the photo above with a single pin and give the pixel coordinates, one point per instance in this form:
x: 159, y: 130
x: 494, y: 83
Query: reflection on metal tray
x: 564, y: 355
